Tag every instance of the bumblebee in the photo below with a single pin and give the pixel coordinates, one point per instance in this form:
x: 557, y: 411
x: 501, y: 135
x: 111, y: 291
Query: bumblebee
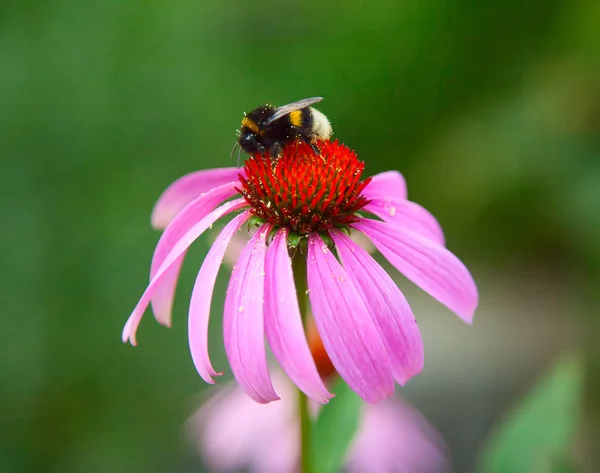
x: 269, y: 128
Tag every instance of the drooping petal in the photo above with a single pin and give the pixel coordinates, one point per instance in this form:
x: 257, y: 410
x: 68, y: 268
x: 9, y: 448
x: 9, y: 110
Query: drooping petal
x: 407, y: 214
x: 162, y: 300
x: 237, y: 245
x: 388, y: 307
x: 429, y: 265
x: 386, y: 184
x: 349, y: 335
x: 176, y: 252
x: 202, y: 296
x: 187, y: 188
x: 283, y: 322
x: 243, y: 321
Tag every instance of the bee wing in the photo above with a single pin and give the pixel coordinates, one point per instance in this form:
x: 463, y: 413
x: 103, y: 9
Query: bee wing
x: 290, y: 107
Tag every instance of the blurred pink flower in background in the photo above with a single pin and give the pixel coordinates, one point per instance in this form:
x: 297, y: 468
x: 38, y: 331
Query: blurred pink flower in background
x: 233, y: 433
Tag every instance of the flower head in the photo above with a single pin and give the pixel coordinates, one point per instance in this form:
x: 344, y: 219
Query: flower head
x: 308, y: 203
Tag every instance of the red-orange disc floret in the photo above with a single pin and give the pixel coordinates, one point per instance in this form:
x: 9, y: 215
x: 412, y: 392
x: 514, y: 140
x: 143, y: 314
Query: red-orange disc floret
x: 305, y: 191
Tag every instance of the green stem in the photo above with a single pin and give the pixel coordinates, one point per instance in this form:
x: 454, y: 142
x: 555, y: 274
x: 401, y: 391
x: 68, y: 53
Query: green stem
x: 299, y: 269
x: 305, y: 434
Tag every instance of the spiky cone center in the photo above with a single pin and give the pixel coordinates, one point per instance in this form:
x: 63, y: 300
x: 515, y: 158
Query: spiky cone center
x: 305, y: 191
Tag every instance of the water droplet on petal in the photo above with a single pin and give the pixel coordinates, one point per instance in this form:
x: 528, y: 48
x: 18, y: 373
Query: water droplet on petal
x: 241, y: 308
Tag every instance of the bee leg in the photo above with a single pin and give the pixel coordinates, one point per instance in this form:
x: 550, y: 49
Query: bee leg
x: 261, y: 149
x: 315, y: 148
x: 275, y: 150
x: 312, y: 144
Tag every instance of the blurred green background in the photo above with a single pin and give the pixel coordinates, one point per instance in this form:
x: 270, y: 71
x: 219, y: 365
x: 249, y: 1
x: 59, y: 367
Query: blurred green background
x: 490, y: 109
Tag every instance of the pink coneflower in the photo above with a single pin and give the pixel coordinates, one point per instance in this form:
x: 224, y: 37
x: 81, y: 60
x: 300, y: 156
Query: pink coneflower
x: 305, y: 205
x: 233, y: 433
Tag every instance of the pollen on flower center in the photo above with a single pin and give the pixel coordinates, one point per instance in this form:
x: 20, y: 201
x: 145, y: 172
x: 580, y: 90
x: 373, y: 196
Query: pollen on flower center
x: 305, y: 191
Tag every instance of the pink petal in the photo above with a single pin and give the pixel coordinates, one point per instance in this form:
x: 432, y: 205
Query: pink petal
x: 429, y: 265
x: 388, y: 307
x: 202, y: 295
x: 386, y: 184
x: 187, y: 188
x: 243, y: 323
x: 162, y: 300
x: 178, y: 250
x: 238, y: 243
x: 350, y: 337
x: 283, y: 323
x: 407, y: 214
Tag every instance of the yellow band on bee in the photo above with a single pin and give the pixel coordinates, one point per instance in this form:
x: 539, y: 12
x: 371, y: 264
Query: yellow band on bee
x: 248, y: 123
x: 296, y: 118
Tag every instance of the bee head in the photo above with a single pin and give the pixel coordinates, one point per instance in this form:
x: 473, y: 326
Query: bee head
x: 248, y: 141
